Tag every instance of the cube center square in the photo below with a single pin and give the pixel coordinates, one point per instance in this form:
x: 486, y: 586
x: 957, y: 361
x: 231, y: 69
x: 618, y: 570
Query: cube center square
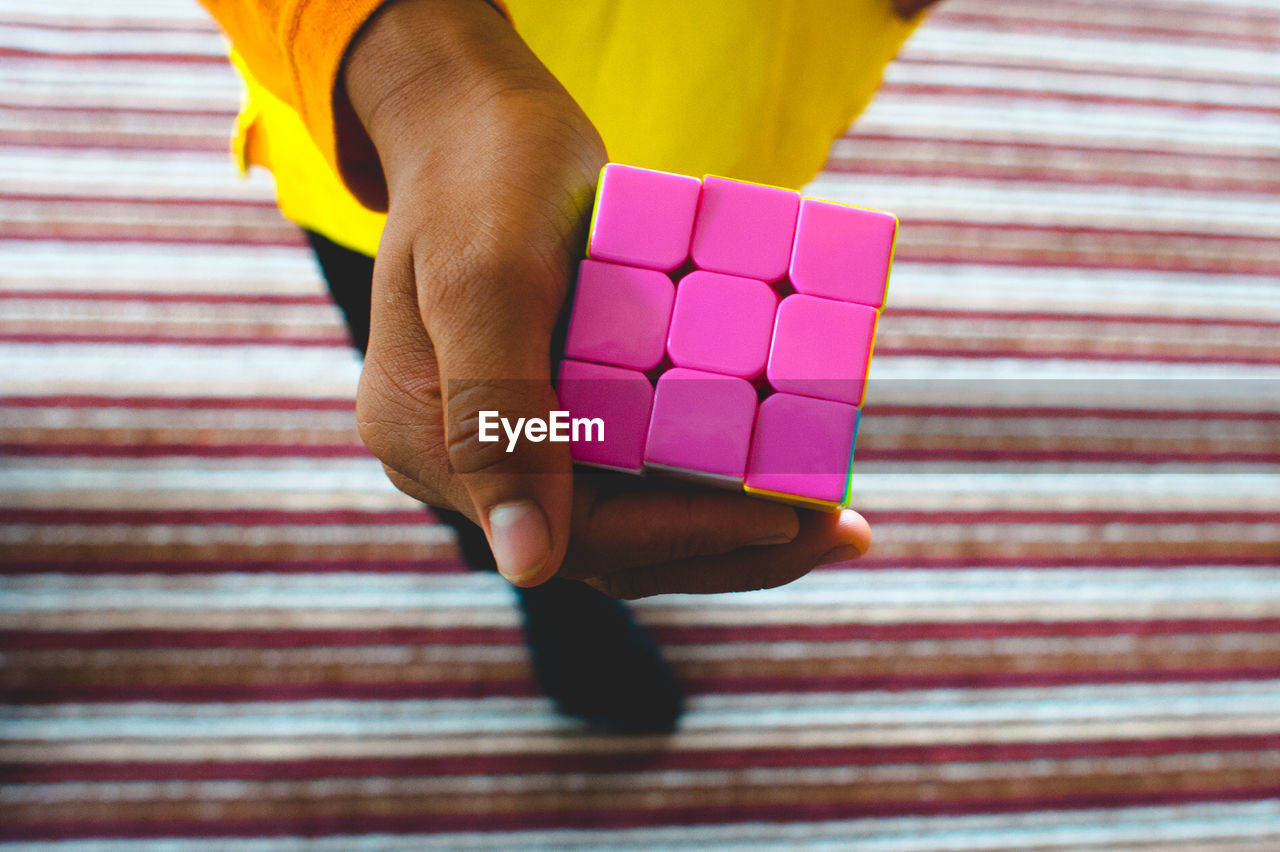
x: 620, y: 315
x: 701, y: 426
x: 744, y: 228
x: 643, y: 217
x: 803, y: 448
x: 722, y: 324
x: 822, y: 348
x: 843, y: 252
x: 620, y: 400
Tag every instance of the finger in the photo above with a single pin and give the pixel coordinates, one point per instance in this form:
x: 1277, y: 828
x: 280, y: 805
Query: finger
x: 649, y: 524
x: 492, y: 327
x: 823, y: 538
x: 398, y: 408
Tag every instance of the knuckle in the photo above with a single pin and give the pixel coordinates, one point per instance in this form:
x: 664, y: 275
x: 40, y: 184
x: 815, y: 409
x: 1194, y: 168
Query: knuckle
x: 467, y: 453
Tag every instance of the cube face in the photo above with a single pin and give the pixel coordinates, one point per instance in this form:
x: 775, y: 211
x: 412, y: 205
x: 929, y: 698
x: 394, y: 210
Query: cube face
x: 843, y: 252
x: 722, y: 323
x: 752, y: 393
x: 643, y: 218
x: 620, y: 399
x: 701, y: 426
x: 822, y: 348
x: 744, y: 228
x: 620, y: 315
x: 802, y: 448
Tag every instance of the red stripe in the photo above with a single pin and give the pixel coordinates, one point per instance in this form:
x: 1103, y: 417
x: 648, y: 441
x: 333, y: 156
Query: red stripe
x: 286, y: 449
x: 316, y: 299
x: 657, y: 759
x: 1097, y: 69
x: 168, y: 113
x: 257, y: 517
x: 196, y: 237
x: 218, y: 403
x: 319, y: 299
x: 1074, y: 456
x: 134, y: 142
x: 734, y: 685
x: 203, y: 451
x: 1160, y: 558
x: 115, y: 26
x: 1081, y: 261
x: 98, y: 566
x: 201, y: 517
x: 845, y: 164
x: 1107, y: 30
x: 155, y: 201
x: 1214, y: 11
x: 961, y: 412
x: 86, y: 56
x: 34, y: 338
x: 176, y: 340
x: 45, y: 640
x: 1250, y: 161
x: 1071, y: 355
x: 1005, y: 93
x: 613, y: 818
x: 267, y: 403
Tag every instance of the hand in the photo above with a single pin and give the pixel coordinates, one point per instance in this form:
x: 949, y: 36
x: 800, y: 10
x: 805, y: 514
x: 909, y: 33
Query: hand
x: 490, y: 168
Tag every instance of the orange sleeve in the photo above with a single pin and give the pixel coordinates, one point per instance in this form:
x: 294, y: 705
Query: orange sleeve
x: 295, y: 49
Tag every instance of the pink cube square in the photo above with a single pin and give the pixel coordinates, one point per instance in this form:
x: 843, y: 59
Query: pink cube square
x: 744, y: 228
x: 822, y: 348
x: 620, y: 399
x: 701, y: 426
x: 803, y: 448
x: 843, y: 252
x: 643, y: 217
x: 620, y: 315
x: 722, y: 324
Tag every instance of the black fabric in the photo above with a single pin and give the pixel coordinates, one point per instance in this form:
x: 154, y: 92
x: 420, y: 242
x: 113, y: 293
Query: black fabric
x: 588, y: 654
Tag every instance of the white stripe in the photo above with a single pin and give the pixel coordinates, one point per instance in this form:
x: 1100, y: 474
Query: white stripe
x: 1037, y: 81
x: 324, y: 319
x: 667, y: 782
x: 252, y: 535
x: 56, y: 417
x: 1131, y: 53
x: 995, y: 120
x: 123, y: 370
x: 865, y: 711
x: 1201, y: 823
x: 167, y: 175
x: 1068, y: 291
x: 120, y: 84
x: 833, y: 596
x: 160, y: 267
x: 116, y: 10
x: 1028, y: 203
x: 41, y: 40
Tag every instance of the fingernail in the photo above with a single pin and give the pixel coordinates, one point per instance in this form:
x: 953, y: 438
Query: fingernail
x: 520, y: 539
x: 843, y: 553
x: 779, y: 538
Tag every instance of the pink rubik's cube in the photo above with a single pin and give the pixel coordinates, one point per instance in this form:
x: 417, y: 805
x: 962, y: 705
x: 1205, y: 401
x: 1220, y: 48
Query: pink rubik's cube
x: 722, y: 332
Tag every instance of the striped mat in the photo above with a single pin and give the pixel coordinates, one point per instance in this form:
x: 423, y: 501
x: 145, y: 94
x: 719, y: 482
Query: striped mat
x: 222, y: 629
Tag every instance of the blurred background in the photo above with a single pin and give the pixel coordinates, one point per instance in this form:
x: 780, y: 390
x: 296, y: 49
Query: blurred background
x: 223, y: 629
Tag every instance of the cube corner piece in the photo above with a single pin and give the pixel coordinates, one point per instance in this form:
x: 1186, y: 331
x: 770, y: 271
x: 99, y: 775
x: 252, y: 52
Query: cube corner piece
x: 843, y: 252
x: 642, y: 217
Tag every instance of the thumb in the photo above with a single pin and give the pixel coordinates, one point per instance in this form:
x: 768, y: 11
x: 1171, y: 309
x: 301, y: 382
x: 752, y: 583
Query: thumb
x: 493, y: 348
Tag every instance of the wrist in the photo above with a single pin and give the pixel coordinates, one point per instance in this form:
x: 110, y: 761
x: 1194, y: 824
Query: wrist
x: 418, y: 65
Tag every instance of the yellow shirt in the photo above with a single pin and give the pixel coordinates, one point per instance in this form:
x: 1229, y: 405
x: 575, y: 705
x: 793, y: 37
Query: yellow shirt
x: 750, y: 89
